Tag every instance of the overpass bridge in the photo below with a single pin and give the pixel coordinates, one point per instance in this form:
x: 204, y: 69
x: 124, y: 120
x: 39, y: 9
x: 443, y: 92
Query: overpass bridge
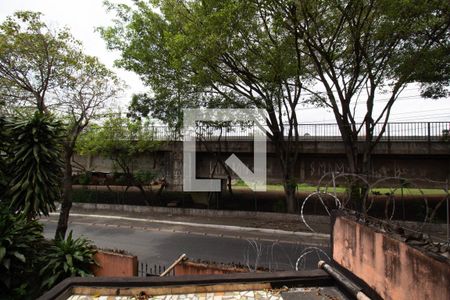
x: 407, y: 149
x: 394, y: 131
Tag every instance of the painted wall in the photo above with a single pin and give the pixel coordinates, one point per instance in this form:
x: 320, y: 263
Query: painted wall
x: 392, y: 268
x: 115, y: 265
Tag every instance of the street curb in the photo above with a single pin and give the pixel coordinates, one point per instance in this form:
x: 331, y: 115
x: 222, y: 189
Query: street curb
x: 192, y: 212
x: 215, y: 226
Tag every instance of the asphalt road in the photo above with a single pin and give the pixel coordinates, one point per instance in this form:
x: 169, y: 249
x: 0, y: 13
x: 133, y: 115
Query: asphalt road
x: 163, y: 247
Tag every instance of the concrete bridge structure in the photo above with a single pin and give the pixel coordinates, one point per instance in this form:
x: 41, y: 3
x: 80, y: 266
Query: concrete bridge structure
x: 410, y: 150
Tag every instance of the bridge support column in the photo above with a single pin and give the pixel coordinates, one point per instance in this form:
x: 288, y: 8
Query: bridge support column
x: 175, y: 178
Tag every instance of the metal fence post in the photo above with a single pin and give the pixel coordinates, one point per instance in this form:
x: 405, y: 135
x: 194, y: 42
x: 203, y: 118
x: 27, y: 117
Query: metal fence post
x: 429, y: 132
x: 315, y: 132
x: 389, y: 132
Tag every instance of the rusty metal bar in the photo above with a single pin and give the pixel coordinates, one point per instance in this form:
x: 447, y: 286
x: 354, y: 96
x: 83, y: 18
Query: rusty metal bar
x: 176, y: 262
x: 344, y: 281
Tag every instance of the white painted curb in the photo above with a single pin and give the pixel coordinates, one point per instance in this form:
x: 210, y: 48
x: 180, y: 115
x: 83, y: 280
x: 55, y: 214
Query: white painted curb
x: 215, y: 226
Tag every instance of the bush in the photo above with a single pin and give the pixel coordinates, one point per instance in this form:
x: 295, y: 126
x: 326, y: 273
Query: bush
x: 67, y: 258
x: 20, y: 244
x: 85, y: 178
x: 144, y: 177
x: 29, y: 264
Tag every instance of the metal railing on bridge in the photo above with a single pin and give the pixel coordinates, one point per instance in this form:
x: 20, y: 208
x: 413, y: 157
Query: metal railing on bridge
x: 394, y: 131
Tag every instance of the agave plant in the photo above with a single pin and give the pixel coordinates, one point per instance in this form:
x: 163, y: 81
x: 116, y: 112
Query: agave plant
x: 67, y: 258
x: 37, y: 165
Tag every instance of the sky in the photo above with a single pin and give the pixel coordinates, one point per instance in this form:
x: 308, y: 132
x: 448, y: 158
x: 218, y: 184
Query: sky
x: 83, y: 16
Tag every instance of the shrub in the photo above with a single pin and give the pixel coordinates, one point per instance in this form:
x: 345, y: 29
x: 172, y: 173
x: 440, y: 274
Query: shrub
x: 29, y: 264
x: 144, y: 177
x: 85, y: 178
x: 20, y: 242
x: 67, y: 258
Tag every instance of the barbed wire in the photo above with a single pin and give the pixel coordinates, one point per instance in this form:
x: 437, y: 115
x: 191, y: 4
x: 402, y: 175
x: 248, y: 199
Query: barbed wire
x: 327, y: 188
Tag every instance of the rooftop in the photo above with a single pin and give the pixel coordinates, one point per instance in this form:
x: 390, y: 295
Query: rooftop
x: 315, y: 284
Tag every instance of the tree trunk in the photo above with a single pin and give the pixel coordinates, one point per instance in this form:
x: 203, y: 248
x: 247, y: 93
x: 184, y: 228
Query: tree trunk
x: 66, y: 203
x: 360, y: 164
x: 289, y: 191
x: 288, y: 161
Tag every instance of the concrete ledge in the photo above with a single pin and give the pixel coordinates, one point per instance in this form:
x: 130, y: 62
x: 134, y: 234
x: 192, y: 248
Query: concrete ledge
x: 63, y: 290
x: 195, y: 212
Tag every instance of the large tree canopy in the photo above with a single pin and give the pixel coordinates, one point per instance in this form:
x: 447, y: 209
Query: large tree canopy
x: 215, y: 54
x: 266, y: 53
x: 368, y: 50
x: 34, y: 59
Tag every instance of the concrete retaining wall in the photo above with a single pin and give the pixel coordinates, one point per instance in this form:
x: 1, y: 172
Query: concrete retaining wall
x: 193, y: 212
x: 409, y: 159
x: 394, y: 269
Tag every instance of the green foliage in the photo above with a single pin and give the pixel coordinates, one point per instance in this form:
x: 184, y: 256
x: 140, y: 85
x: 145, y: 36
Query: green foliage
x: 4, y: 177
x: 85, y: 178
x: 34, y: 59
x: 206, y: 53
x: 67, y: 258
x: 29, y: 264
x: 36, y: 165
x: 240, y: 182
x: 214, y: 54
x: 118, y: 139
x: 20, y: 243
x: 267, y: 54
x: 145, y: 177
x: 30, y: 174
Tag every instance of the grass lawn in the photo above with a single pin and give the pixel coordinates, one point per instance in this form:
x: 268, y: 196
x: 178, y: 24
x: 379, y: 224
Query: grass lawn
x: 306, y: 188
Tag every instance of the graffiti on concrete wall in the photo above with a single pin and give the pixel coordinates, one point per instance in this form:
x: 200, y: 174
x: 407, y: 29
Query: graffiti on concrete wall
x: 319, y: 167
x: 170, y: 165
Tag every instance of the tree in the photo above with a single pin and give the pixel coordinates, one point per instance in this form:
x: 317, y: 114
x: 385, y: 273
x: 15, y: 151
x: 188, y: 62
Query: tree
x: 88, y: 89
x: 221, y: 54
x: 33, y: 59
x: 43, y: 68
x: 369, y: 49
x: 372, y: 47
x: 121, y: 140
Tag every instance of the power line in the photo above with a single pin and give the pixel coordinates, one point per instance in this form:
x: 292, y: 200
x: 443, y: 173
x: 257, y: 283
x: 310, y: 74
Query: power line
x: 377, y: 101
x: 407, y: 118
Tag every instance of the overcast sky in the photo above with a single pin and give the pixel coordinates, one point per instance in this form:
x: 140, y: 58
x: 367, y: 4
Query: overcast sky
x: 83, y: 16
